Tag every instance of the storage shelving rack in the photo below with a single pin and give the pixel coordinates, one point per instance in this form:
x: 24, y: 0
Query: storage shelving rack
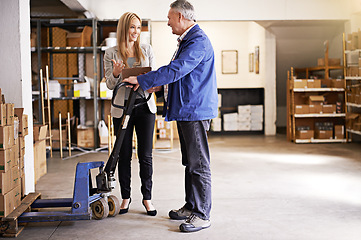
x: 294, y: 96
x: 48, y: 48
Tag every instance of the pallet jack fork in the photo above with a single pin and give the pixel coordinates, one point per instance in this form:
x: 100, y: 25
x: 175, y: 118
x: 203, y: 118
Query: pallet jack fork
x: 87, y: 202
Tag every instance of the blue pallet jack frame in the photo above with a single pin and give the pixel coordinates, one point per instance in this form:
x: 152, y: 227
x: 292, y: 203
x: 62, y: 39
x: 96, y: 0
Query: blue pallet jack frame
x: 87, y: 202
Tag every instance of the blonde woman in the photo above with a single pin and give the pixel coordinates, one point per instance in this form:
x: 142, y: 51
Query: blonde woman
x: 128, y: 53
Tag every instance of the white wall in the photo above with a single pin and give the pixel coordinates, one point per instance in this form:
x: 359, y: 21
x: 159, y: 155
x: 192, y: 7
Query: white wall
x: 15, y: 69
x: 228, y: 9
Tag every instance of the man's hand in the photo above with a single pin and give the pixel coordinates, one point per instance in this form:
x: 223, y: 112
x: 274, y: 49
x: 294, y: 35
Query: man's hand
x: 117, y: 68
x: 132, y: 80
x: 155, y: 89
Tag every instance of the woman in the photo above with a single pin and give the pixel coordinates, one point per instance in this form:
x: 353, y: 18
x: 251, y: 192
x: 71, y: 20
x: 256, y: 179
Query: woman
x: 130, y: 53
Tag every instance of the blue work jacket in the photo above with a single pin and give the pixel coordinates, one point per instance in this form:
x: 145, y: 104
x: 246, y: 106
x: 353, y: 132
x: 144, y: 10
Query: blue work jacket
x: 192, y: 89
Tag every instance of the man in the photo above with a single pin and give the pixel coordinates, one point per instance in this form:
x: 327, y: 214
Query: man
x: 190, y: 91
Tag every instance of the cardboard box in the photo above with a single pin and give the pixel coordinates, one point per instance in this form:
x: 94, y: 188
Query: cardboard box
x: 329, y: 108
x: 15, y: 177
x: 299, y: 83
x: 354, y: 41
x: 357, y: 127
x: 5, y: 182
x: 23, y: 121
x: 85, y: 137
x: 10, y: 201
x: 302, y: 109
x: 2, y: 114
x: 80, y: 39
x: 323, y: 134
x: 40, y: 132
x: 216, y: 125
x: 351, y: 119
x: 331, y: 62
x: 352, y: 71
x: 56, y: 137
x: 315, y: 109
x: 6, y: 137
x: 313, y: 83
x: 337, y: 83
x: 40, y: 167
x: 5, y: 160
x: 339, y: 132
x: 316, y: 100
x: 9, y: 113
x: 304, y: 134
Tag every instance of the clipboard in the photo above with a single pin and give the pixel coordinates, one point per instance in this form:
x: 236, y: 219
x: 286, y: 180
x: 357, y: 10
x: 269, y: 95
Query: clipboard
x: 127, y: 72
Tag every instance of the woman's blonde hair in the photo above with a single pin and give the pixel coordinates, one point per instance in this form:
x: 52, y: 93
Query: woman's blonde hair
x: 123, y: 38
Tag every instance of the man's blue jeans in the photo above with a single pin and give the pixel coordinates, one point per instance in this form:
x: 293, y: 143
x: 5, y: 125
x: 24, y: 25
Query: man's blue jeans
x: 196, y: 159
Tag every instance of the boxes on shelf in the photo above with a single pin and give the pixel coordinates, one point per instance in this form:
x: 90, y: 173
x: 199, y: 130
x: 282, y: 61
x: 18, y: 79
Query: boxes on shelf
x: 352, y: 71
x: 329, y: 108
x: 82, y: 89
x: 316, y: 100
x: 299, y: 83
x: 304, y: 134
x: 351, y: 119
x: 315, y: 109
x: 324, y: 130
x: 80, y: 39
x: 331, y: 62
x: 302, y: 109
x: 339, y: 132
x: 337, y: 83
x: 244, y: 109
x: 230, y: 122
x: 313, y: 83
x: 55, y: 89
x: 85, y: 136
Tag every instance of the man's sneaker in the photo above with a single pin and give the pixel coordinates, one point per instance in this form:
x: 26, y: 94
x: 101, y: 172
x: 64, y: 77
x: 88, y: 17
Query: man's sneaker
x: 180, y: 214
x: 194, y: 223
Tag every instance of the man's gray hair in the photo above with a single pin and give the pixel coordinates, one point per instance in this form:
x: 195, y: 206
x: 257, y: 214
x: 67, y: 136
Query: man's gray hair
x: 185, y: 8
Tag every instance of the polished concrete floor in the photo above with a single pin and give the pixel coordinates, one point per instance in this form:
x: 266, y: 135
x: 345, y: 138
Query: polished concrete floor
x: 264, y: 188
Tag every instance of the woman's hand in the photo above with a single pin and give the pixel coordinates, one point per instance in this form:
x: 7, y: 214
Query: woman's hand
x: 117, y: 68
x: 155, y: 89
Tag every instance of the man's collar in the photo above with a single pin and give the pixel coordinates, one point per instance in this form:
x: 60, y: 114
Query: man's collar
x: 181, y: 37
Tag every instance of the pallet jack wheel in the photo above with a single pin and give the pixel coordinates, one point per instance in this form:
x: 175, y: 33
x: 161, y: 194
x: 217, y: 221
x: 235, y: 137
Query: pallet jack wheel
x: 114, y: 206
x: 100, y: 209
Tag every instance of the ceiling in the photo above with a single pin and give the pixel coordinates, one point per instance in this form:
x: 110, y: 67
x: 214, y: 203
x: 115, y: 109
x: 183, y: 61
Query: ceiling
x: 55, y: 8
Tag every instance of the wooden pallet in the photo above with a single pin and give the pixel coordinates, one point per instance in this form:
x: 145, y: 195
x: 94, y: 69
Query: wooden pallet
x: 9, y: 226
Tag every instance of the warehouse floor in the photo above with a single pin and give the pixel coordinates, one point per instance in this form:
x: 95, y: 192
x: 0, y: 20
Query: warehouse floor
x: 263, y: 188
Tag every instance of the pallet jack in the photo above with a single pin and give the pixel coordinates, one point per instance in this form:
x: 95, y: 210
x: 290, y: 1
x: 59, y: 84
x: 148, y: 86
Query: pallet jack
x: 88, y: 201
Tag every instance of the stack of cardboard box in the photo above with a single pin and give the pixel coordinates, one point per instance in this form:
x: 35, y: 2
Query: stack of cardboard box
x: 353, y: 59
x: 39, y: 134
x: 13, y: 128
